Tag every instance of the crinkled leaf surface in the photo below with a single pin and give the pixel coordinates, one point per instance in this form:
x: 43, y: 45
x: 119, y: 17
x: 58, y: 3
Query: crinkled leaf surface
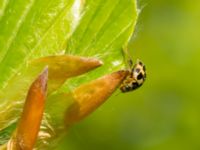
x: 34, y: 28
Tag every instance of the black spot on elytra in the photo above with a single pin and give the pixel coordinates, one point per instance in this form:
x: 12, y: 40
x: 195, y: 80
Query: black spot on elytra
x: 144, y: 68
x: 140, y: 76
x: 140, y: 63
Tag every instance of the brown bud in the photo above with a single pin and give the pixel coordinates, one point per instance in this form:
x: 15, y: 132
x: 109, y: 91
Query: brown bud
x: 89, y: 96
x: 27, y: 130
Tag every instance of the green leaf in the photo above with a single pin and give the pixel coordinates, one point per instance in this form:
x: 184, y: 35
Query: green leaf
x: 36, y: 28
x: 103, y: 30
x: 30, y: 29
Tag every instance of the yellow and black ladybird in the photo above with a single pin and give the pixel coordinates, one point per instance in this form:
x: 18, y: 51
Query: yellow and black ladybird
x: 135, y: 77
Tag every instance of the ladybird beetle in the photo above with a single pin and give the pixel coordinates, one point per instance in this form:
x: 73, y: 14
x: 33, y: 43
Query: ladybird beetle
x: 135, y: 78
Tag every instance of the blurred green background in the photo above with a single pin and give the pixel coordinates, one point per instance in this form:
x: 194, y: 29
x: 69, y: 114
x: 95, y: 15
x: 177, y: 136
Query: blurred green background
x: 164, y: 114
